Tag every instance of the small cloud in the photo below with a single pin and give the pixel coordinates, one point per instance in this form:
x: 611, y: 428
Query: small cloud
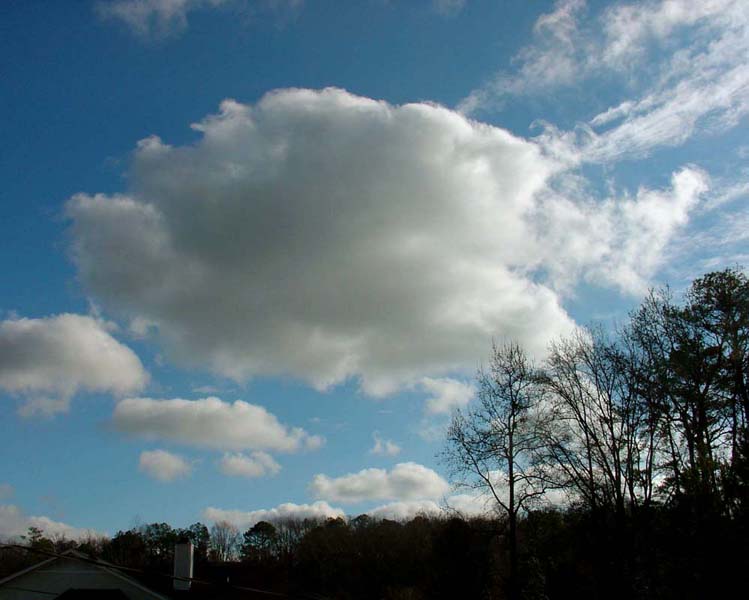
x: 211, y: 423
x: 164, y: 466
x: 431, y: 430
x: 46, y: 361
x: 384, y: 447
x: 160, y: 19
x: 152, y: 18
x: 140, y: 327
x: 43, y: 407
x: 6, y: 491
x: 448, y: 8
x: 314, y: 442
x: 206, y: 389
x: 257, y: 464
x: 446, y: 395
x: 405, y: 481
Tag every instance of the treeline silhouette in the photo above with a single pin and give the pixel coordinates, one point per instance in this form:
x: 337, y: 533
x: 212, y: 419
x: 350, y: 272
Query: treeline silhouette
x: 617, y: 468
x: 643, y: 428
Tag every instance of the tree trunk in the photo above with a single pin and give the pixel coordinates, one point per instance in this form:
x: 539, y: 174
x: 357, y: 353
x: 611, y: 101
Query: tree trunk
x: 514, y: 580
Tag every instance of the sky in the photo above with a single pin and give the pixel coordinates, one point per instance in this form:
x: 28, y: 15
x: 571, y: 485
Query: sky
x: 254, y: 251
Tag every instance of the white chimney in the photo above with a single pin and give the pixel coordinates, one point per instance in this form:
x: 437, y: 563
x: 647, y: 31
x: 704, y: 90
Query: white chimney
x: 183, y: 554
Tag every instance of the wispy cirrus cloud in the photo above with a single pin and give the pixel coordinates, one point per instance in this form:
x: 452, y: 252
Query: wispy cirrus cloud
x: 554, y: 58
x: 682, y: 63
x: 153, y: 18
x: 159, y: 19
x: 448, y: 8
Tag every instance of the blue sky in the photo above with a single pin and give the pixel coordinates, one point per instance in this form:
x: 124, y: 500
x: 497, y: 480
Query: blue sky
x: 254, y: 250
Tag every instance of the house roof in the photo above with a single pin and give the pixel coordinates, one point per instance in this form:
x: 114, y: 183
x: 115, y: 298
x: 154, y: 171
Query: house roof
x: 71, y: 573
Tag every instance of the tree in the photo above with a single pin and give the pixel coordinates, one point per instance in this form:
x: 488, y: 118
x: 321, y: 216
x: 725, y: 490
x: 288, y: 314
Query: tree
x: 37, y: 540
x: 159, y: 539
x: 93, y: 544
x: 224, y: 540
x: 258, y: 541
x: 699, y: 363
x: 491, y: 447
x: 126, y: 548
x: 198, y: 534
x: 600, y: 438
x: 718, y: 304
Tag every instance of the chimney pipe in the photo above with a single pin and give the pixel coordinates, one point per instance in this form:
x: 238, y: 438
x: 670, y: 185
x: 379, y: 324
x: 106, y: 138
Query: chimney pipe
x: 183, y: 555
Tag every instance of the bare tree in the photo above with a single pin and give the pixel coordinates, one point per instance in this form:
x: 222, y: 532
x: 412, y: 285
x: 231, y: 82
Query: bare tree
x: 224, y: 540
x: 602, y: 437
x: 491, y: 447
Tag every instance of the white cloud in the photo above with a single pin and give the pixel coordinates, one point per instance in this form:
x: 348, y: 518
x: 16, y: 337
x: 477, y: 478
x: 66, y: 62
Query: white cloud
x: 729, y: 192
x: 149, y: 19
x: 326, y: 236
x: 14, y: 523
x: 465, y: 505
x: 470, y: 505
x: 682, y: 63
x: 629, y: 27
x: 405, y: 481
x: 713, y: 245
x: 210, y: 423
x: 47, y: 361
x: 555, y: 58
x: 164, y: 466
x: 152, y: 17
x: 245, y: 519
x: 406, y: 510
x: 384, y: 447
x: 445, y: 395
x: 448, y: 8
x: 433, y: 430
x: 258, y: 464
x: 6, y: 490
x: 480, y: 500
x: 620, y: 241
x: 699, y: 86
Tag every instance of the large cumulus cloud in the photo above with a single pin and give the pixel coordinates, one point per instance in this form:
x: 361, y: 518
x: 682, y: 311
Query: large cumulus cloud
x: 326, y: 236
